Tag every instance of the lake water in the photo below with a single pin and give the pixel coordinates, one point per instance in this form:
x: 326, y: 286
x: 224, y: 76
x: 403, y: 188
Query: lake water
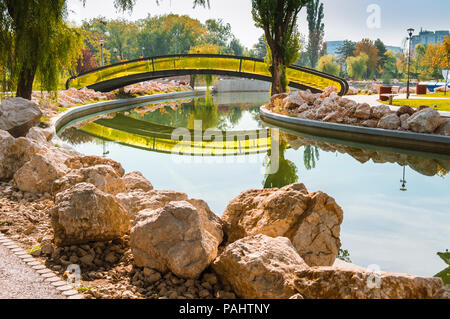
x: 396, y: 204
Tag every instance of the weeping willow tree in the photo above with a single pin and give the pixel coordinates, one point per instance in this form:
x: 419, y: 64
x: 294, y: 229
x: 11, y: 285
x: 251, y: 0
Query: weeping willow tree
x: 37, y: 43
x: 278, y: 19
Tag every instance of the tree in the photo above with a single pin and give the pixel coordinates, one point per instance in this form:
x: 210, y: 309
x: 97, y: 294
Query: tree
x: 328, y: 64
x: 261, y: 48
x: 367, y: 47
x: 357, y: 66
x: 236, y: 47
x: 278, y: 19
x: 435, y: 59
x: 381, y: 54
x: 218, y: 32
x: 346, y: 50
x: 316, y: 28
x: 87, y: 62
x: 41, y: 44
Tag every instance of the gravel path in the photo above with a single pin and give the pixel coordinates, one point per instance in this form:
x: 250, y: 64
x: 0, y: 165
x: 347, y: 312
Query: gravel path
x: 19, y: 281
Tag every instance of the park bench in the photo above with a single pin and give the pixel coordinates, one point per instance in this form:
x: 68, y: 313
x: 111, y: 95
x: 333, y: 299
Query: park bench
x: 390, y: 96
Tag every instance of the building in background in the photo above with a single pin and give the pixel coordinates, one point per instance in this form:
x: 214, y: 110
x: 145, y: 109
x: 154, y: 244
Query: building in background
x: 429, y: 37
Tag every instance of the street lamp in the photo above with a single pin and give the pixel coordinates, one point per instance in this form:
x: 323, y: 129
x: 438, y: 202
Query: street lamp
x: 102, y: 43
x: 410, y: 32
x: 143, y: 49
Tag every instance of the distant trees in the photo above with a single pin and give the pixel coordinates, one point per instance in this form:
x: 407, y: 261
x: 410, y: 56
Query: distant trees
x: 315, y: 15
x: 260, y: 48
x: 366, y: 46
x: 87, y: 62
x: 357, y: 66
x: 328, y: 64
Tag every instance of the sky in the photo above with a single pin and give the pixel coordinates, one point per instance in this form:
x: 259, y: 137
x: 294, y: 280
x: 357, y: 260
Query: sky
x: 344, y: 19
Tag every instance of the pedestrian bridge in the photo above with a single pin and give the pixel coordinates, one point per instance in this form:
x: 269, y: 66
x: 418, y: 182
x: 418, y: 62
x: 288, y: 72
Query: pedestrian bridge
x: 115, y: 76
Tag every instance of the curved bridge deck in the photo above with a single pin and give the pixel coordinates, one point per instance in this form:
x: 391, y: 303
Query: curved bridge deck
x: 115, y: 76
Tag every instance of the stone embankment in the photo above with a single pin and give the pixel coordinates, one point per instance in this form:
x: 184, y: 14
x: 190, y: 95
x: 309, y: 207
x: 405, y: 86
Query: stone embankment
x: 329, y: 107
x: 133, y: 241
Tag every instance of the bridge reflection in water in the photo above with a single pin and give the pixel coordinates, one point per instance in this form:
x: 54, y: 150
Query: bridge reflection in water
x: 115, y: 76
x: 158, y: 138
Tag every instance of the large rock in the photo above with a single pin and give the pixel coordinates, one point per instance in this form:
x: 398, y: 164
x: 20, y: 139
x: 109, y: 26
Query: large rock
x: 354, y: 283
x: 14, y: 153
x: 18, y: 115
x: 179, y: 237
x: 310, y: 220
x: 104, y: 177
x: 379, y: 111
x: 389, y: 122
x: 363, y: 111
x: 444, y: 128
x: 85, y: 214
x: 425, y: 121
x: 41, y: 135
x: 78, y: 162
x: 260, y: 267
x: 138, y: 200
x: 38, y: 175
x: 136, y: 181
x: 6, y: 142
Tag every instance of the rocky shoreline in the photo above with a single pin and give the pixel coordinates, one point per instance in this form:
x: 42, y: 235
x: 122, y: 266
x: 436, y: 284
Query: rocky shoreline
x: 329, y: 107
x: 132, y: 241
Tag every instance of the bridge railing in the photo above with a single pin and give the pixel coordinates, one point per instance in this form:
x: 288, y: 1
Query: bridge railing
x: 205, y: 62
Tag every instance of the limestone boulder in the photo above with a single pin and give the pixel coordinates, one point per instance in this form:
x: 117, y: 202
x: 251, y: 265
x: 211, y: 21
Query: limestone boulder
x: 354, y: 283
x: 136, y: 181
x: 6, y: 142
x: 444, y: 128
x: 178, y: 237
x: 363, y: 111
x: 260, y: 267
x: 84, y: 214
x: 405, y: 109
x: 138, y: 200
x: 78, y: 162
x: 14, y: 153
x: 37, y: 175
x: 389, y: 122
x: 104, y: 177
x: 18, y: 115
x: 40, y: 135
x: 404, y: 121
x: 379, y: 111
x: 425, y: 121
x: 292, y: 101
x: 310, y: 220
x: 370, y: 123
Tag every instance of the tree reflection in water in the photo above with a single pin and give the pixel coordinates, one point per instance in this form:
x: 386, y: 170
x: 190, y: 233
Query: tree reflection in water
x: 287, y: 173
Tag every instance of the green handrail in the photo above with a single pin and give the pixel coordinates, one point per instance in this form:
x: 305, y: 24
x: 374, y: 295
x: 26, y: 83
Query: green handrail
x: 139, y: 70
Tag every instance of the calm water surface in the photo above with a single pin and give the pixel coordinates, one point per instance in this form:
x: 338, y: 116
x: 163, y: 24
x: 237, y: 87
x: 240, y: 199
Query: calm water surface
x: 398, y: 230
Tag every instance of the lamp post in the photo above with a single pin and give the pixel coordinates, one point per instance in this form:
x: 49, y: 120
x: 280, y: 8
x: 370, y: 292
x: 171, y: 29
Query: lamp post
x: 143, y: 49
x: 410, y: 32
x: 102, y: 43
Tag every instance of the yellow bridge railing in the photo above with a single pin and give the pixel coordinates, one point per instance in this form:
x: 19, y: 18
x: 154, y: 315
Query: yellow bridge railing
x: 117, y: 75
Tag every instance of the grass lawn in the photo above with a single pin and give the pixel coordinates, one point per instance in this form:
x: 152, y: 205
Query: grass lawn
x: 442, y: 105
x: 438, y: 94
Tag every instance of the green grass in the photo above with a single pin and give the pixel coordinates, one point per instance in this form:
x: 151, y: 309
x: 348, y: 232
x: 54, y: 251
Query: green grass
x: 442, y: 105
x: 438, y: 94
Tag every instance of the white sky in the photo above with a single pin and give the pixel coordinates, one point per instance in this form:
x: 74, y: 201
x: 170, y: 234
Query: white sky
x: 344, y: 19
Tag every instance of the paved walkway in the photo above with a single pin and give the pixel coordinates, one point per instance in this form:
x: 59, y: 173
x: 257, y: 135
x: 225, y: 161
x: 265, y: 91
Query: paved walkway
x: 19, y: 281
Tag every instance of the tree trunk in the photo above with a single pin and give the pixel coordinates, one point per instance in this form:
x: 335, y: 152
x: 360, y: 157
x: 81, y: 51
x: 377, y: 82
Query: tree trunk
x: 277, y: 73
x: 25, y: 83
